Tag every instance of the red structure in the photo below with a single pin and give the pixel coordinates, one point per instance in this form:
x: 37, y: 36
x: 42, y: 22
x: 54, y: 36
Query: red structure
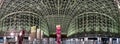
x: 58, y: 34
x: 21, y: 36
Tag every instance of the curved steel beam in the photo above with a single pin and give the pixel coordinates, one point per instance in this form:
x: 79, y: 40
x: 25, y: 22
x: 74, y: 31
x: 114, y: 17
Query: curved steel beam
x: 1, y: 3
x: 18, y: 12
x: 88, y: 13
x: 21, y: 12
x: 96, y: 13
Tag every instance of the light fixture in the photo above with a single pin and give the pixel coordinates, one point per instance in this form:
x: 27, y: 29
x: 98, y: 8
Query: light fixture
x: 12, y: 34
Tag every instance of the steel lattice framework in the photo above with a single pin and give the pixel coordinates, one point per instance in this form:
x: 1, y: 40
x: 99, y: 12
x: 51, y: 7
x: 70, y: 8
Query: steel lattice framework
x: 74, y: 16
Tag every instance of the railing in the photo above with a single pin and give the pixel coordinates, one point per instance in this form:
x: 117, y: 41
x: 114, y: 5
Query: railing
x: 68, y: 41
x: 65, y: 41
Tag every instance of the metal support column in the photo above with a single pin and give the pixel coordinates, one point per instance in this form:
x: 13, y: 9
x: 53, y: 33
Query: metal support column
x: 110, y: 40
x: 82, y: 41
x: 117, y: 40
x: 5, y: 40
x: 86, y: 40
x: 99, y: 40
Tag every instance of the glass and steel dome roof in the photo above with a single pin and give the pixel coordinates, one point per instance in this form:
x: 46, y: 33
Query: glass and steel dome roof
x: 74, y: 16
